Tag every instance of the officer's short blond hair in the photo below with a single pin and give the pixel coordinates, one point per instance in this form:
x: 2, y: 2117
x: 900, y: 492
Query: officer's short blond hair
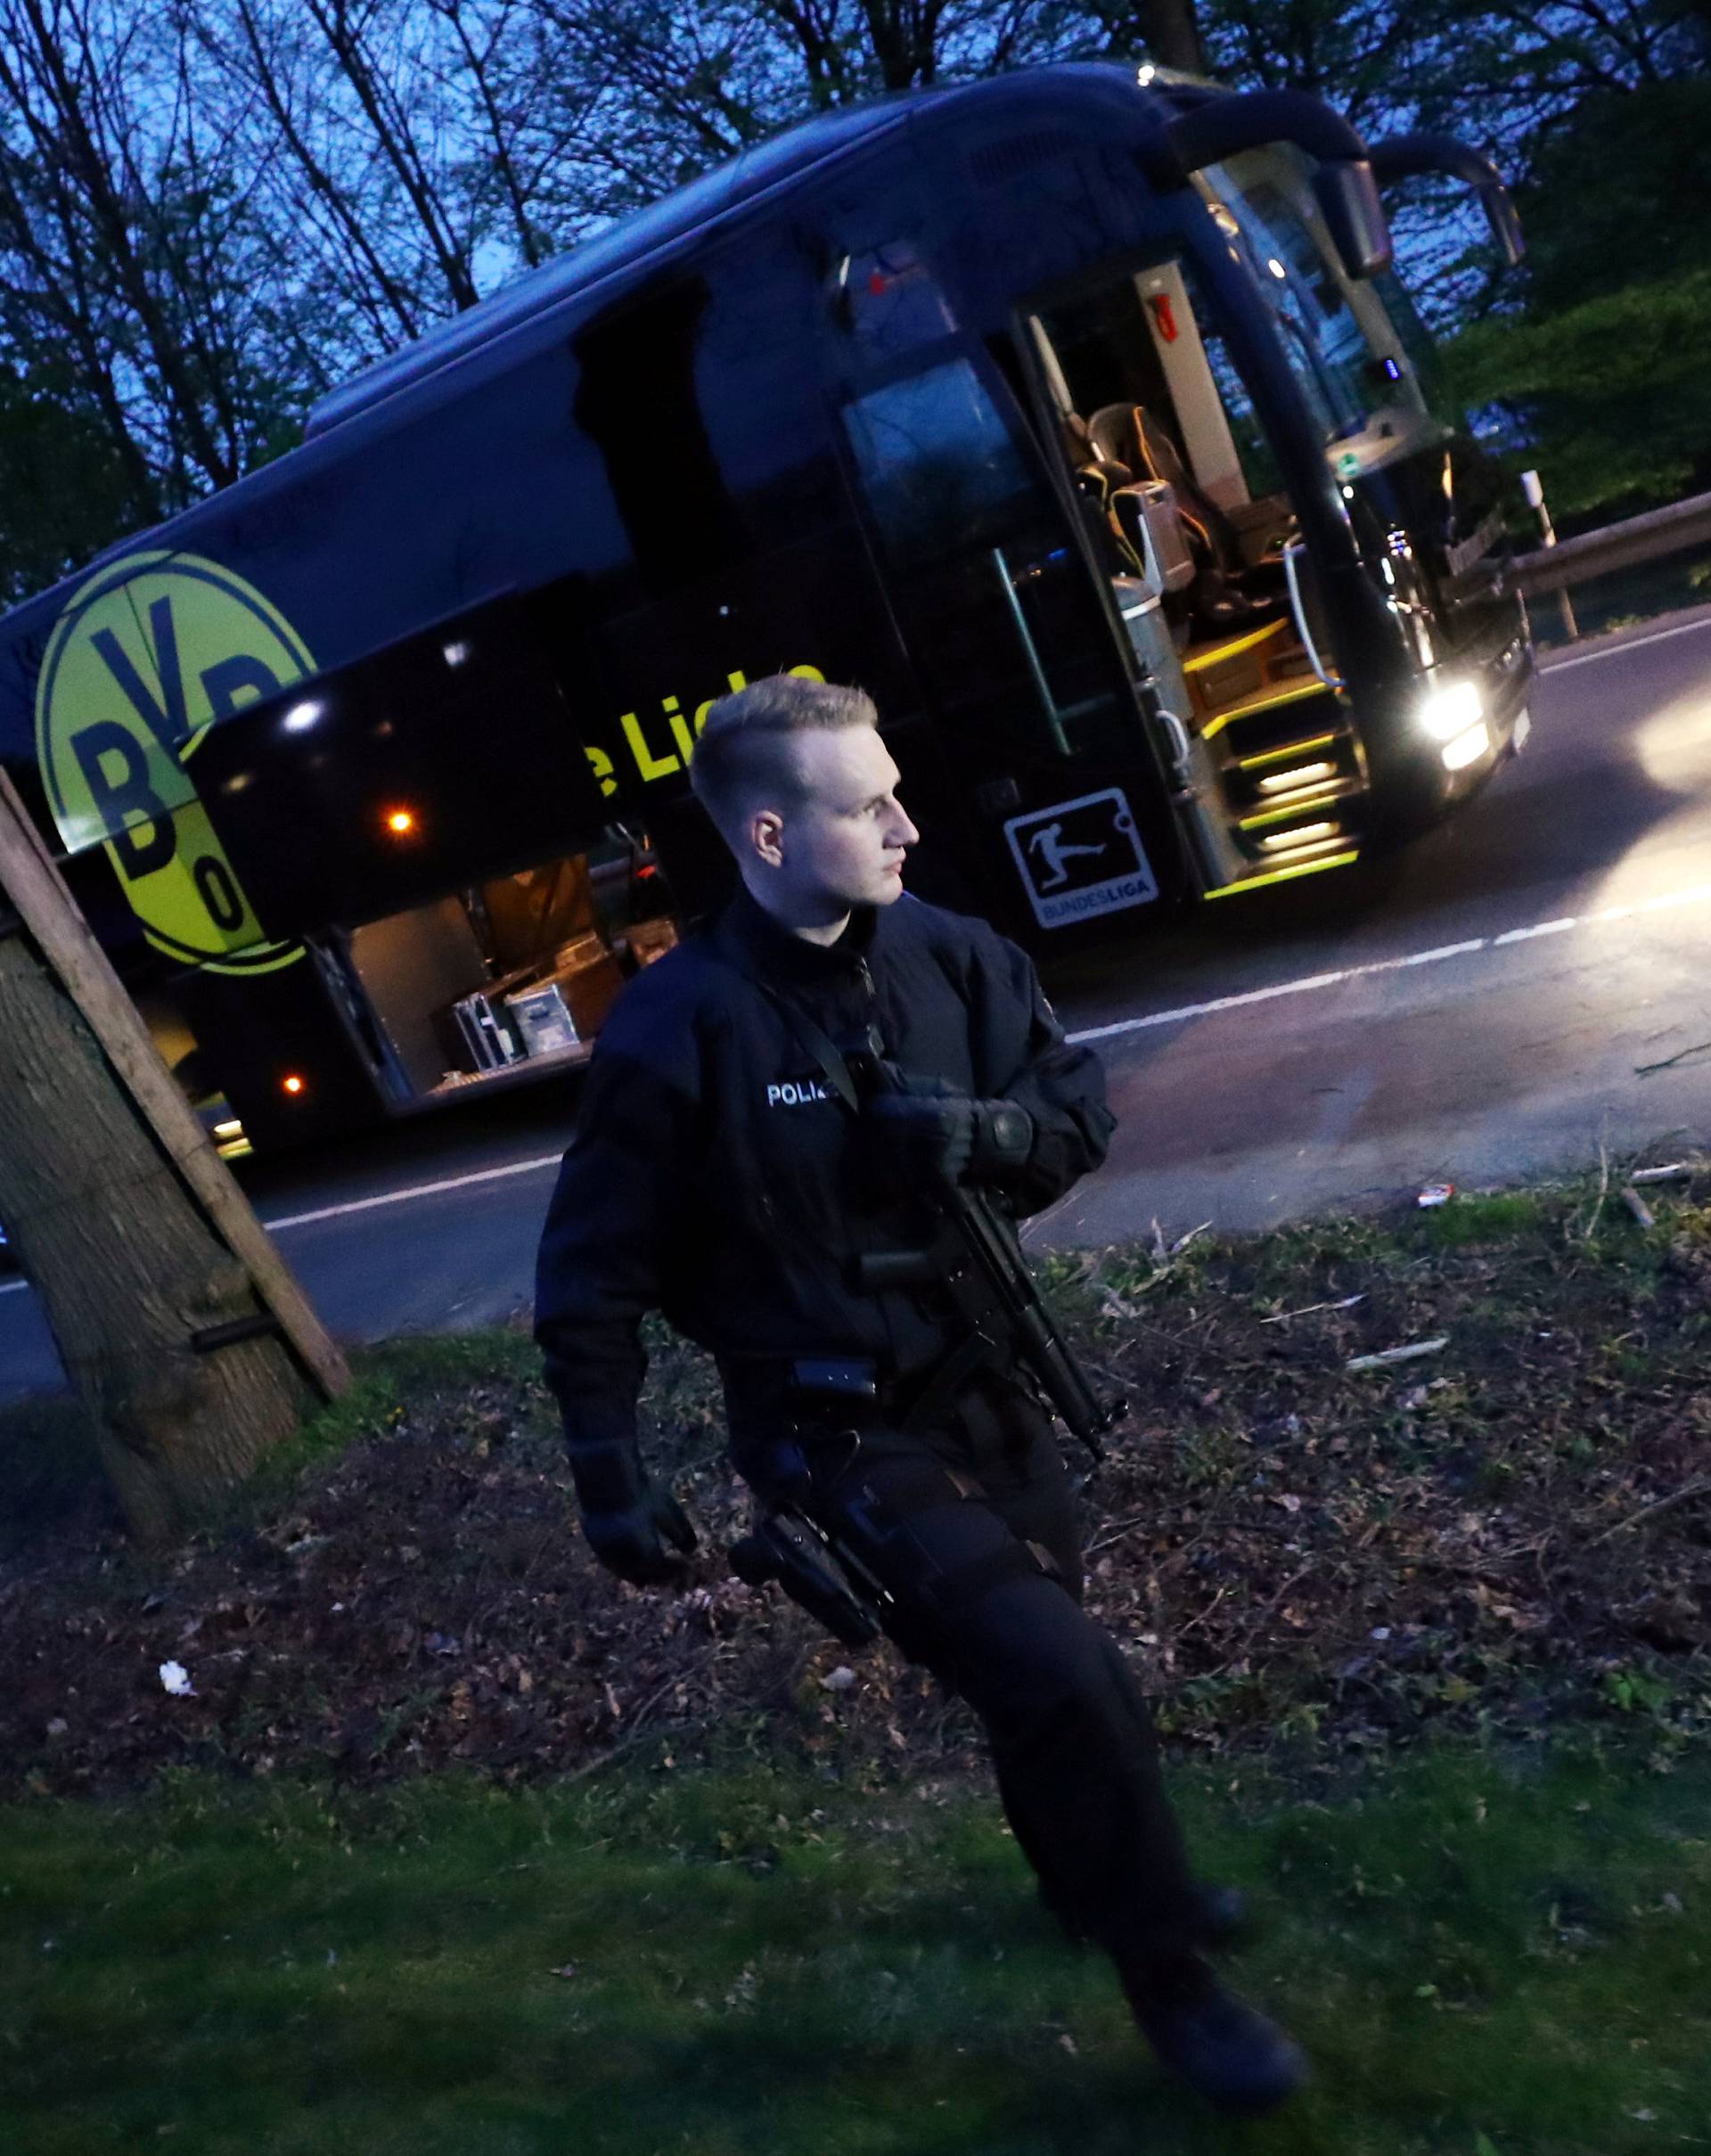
x: 742, y: 760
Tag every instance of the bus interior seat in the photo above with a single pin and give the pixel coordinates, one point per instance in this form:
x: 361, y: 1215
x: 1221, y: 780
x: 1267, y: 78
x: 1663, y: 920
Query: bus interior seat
x: 1096, y: 480
x: 1226, y: 589
x: 1095, y: 475
x: 1203, y: 600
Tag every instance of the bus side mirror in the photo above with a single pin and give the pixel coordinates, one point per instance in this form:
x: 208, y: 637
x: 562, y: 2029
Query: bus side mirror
x: 1505, y: 225
x: 1348, y: 200
x: 1402, y: 156
x: 1224, y: 124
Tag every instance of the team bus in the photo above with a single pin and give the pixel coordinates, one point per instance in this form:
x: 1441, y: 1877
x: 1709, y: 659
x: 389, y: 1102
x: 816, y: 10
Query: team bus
x: 1078, y: 415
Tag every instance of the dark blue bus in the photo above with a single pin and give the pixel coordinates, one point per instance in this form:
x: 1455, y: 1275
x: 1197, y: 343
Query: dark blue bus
x: 1078, y: 417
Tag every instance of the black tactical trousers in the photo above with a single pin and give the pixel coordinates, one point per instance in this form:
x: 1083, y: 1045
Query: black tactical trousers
x: 1071, y: 1738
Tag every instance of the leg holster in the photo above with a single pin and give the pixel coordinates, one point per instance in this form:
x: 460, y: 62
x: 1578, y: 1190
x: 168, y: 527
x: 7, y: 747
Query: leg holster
x: 878, y: 1516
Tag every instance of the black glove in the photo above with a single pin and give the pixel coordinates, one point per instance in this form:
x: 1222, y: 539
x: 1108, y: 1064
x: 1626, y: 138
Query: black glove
x: 938, y: 1133
x: 628, y: 1518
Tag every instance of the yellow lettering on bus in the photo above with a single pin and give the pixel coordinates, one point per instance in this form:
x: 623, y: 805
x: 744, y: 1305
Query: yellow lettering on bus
x: 737, y: 681
x: 684, y: 731
x: 647, y: 763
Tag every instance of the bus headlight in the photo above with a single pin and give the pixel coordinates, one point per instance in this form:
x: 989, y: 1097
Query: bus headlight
x: 1467, y: 747
x: 1452, y: 709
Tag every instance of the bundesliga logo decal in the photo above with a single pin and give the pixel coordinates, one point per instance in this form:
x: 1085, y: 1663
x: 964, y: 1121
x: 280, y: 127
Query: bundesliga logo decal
x: 1081, y: 858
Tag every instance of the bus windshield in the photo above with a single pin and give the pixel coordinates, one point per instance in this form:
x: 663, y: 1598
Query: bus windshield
x: 1349, y: 358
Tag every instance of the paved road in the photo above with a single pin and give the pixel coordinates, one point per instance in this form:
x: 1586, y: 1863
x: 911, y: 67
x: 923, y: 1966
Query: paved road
x: 1482, y: 1007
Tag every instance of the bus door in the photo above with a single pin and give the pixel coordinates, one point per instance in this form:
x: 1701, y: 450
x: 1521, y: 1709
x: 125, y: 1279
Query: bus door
x: 1180, y: 480
x: 1039, y: 717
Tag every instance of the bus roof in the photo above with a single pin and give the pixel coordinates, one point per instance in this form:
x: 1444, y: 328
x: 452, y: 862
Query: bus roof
x: 621, y: 246
x: 629, y: 244
x: 1024, y: 111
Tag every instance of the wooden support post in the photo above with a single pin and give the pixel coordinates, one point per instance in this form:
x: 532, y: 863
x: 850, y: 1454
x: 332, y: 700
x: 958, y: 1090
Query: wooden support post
x: 229, y: 1274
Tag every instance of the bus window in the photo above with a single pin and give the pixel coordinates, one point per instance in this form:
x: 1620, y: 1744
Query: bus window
x: 938, y: 463
x: 703, y: 401
x: 1252, y: 444
x: 1349, y: 362
x: 758, y: 391
x: 1000, y: 618
x: 637, y: 403
x: 1398, y: 303
x: 888, y: 300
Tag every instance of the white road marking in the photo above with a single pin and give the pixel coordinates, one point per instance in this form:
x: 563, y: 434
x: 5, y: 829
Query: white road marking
x: 1698, y: 893
x: 1437, y: 955
x: 390, y: 1197
x: 415, y: 1190
x: 1539, y: 927
x: 1632, y: 644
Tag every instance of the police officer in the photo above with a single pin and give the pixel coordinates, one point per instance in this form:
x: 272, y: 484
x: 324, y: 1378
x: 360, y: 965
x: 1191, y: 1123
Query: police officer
x: 716, y: 1174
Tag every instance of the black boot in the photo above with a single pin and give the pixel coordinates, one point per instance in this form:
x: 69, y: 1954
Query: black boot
x: 1225, y: 2050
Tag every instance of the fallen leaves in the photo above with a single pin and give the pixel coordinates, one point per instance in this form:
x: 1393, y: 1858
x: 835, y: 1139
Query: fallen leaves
x: 1285, y: 1549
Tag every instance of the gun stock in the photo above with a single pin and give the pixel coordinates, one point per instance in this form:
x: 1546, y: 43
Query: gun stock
x: 816, y: 1571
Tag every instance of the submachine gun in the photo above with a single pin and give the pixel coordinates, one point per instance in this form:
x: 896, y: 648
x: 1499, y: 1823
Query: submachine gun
x: 975, y: 1261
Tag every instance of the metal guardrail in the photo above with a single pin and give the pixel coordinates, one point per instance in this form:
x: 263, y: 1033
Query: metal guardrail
x: 1625, y: 545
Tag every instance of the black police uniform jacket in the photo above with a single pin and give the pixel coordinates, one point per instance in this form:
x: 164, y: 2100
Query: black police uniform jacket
x: 715, y: 1175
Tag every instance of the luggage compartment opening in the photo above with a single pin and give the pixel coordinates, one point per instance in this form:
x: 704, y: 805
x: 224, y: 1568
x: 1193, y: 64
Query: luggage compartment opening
x: 513, y: 977
x: 485, y: 987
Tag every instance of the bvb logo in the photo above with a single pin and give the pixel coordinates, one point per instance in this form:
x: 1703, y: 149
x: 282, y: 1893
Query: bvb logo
x: 145, y: 658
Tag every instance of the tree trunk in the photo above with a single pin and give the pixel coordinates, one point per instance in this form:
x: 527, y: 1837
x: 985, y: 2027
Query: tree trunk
x: 1169, y: 30
x: 128, y: 1267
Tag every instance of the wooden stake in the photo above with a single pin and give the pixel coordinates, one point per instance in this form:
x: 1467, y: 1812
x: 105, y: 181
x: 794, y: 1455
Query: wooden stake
x: 40, y: 896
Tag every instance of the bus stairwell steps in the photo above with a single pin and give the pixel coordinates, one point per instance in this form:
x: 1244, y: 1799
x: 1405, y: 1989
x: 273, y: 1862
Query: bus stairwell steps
x: 1289, y: 761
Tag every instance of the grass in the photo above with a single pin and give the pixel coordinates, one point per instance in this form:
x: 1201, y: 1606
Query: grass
x: 1472, y: 1944
x: 1491, y: 1216
x: 424, y: 1365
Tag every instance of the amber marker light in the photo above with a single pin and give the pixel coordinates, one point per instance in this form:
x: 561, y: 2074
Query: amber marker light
x: 293, y: 1084
x: 400, y: 822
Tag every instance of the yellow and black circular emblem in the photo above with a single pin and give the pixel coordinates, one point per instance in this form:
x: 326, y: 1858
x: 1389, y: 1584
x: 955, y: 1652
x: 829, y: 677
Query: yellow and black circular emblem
x: 149, y: 652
